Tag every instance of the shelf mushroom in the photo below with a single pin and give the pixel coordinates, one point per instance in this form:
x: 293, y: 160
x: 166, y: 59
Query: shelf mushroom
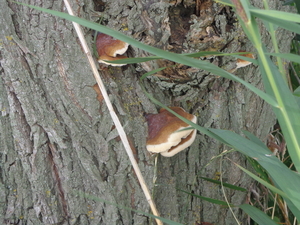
x: 110, y: 49
x: 242, y: 63
x: 167, y: 134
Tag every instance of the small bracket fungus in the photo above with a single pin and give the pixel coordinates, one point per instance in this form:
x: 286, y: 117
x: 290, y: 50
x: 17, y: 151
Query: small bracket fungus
x: 167, y: 134
x: 242, y: 63
x: 110, y: 49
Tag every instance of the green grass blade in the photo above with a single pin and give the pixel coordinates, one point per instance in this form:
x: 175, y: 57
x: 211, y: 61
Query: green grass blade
x: 161, y: 53
x: 287, y: 56
x: 291, y: 26
x: 211, y: 200
x: 196, y: 55
x: 225, y: 2
x: 255, y: 139
x: 285, y: 16
x: 258, y: 216
x: 135, y: 60
x: 289, y: 111
x: 297, y: 91
x: 285, y: 179
x: 152, y: 72
x: 297, y: 3
x: 224, y: 184
x: 208, y: 53
x: 272, y: 28
x: 263, y: 182
x: 259, y: 169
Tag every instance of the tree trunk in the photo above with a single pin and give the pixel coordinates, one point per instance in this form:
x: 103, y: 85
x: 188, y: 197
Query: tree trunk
x: 57, y: 140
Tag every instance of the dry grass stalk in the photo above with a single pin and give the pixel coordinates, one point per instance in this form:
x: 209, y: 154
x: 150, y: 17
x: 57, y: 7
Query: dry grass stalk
x: 113, y: 115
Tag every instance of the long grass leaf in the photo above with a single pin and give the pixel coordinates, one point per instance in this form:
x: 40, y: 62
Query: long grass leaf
x: 288, y: 56
x: 161, y: 53
x: 289, y: 111
x: 234, y: 187
x: 297, y: 92
x: 259, y: 169
x: 211, y: 200
x: 272, y: 28
x: 196, y: 55
x: 263, y: 182
x: 152, y: 72
x: 291, y: 26
x: 285, y: 16
x: 258, y: 216
x: 255, y: 139
x: 285, y: 179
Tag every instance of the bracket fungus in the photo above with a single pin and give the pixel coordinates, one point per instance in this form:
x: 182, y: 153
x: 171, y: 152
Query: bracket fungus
x: 110, y: 49
x: 242, y: 63
x: 167, y: 134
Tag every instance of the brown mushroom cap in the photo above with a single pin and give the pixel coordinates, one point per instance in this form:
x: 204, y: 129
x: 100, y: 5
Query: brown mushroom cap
x: 165, y: 131
x: 110, y: 49
x: 185, y: 142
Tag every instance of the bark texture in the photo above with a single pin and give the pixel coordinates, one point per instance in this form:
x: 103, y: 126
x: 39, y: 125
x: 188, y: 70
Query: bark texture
x: 56, y: 139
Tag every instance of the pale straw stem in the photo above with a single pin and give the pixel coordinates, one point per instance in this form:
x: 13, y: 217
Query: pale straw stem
x: 114, y: 116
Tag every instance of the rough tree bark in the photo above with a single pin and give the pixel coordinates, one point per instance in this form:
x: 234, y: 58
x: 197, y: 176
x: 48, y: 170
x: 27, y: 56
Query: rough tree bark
x: 56, y: 139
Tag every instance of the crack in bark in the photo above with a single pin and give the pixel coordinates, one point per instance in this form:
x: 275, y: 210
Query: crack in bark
x: 57, y: 178
x: 67, y: 83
